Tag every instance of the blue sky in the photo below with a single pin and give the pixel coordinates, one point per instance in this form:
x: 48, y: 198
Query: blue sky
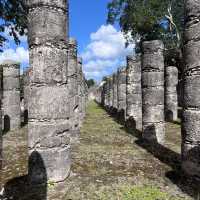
x: 100, y: 45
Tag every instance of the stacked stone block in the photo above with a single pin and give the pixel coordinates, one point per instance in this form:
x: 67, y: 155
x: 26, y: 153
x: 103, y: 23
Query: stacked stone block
x: 171, y: 98
x: 153, y: 121
x: 27, y: 75
x: 121, y: 93
x: 191, y: 107
x: 1, y: 135
x: 110, y: 85
x: 134, y: 93
x: 72, y: 83
x: 115, y: 103
x: 11, y: 96
x: 48, y: 106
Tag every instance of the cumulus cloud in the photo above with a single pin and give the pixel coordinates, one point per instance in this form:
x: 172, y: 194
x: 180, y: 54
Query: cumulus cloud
x: 105, y: 52
x: 19, y: 55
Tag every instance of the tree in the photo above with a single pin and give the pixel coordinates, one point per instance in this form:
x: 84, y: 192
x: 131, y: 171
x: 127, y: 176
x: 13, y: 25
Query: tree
x: 13, y: 17
x: 149, y: 19
x: 90, y: 83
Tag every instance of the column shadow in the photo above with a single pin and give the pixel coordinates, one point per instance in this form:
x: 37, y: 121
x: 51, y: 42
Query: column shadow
x: 32, y: 186
x: 187, y: 184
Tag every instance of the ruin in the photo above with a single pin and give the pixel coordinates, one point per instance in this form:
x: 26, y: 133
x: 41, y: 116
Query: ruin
x: 153, y: 120
x: 191, y: 97
x: 48, y: 106
x: 121, y: 93
x: 171, y: 97
x: 72, y: 83
x: 114, y: 103
x: 11, y: 96
x: 134, y: 93
x: 1, y: 128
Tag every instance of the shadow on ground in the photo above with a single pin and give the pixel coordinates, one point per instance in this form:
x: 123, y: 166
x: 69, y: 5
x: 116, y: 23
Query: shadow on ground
x: 188, y: 185
x: 25, y: 188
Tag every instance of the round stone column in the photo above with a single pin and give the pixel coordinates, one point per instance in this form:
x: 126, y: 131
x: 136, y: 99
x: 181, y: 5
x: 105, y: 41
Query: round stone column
x: 72, y: 83
x: 110, y: 83
x: 1, y: 135
x: 11, y: 96
x: 153, y: 121
x: 121, y: 92
x: 49, y: 114
x: 134, y: 93
x: 115, y: 103
x: 191, y: 94
x: 171, y: 97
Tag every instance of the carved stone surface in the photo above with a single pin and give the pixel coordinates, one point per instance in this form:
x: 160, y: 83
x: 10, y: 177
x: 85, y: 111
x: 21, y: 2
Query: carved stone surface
x: 115, y: 103
x: 121, y: 92
x: 134, y: 93
x: 72, y: 83
x: 153, y: 91
x: 171, y: 98
x: 49, y: 125
x: 191, y: 103
x: 1, y: 136
x: 110, y: 85
x: 11, y: 96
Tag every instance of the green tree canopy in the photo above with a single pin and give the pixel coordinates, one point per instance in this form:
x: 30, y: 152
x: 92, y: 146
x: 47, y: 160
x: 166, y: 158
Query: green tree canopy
x: 13, y: 16
x: 143, y: 18
x: 90, y: 83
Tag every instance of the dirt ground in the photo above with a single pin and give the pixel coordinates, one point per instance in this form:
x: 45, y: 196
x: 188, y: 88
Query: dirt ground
x: 107, y: 159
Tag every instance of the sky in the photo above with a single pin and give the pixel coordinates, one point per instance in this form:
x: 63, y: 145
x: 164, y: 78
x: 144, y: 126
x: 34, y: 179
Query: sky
x: 102, y: 46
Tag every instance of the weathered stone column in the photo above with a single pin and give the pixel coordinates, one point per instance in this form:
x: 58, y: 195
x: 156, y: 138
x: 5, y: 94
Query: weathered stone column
x: 110, y: 83
x: 72, y: 83
x: 106, y: 93
x: 153, y: 120
x: 191, y: 107
x: 27, y: 75
x: 11, y: 96
x: 115, y: 103
x: 80, y: 91
x: 171, y: 97
x: 121, y: 92
x: 49, y: 116
x: 1, y: 135
x: 134, y: 93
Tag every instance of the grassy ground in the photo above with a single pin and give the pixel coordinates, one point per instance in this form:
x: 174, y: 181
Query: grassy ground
x: 109, y: 163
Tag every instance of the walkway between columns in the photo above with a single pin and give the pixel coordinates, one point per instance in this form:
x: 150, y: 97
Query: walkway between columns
x: 106, y: 160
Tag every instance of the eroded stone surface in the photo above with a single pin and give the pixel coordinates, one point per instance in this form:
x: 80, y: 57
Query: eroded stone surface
x: 153, y: 91
x: 191, y: 112
x: 11, y: 96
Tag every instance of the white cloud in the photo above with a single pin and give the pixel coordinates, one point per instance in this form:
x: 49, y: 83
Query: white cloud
x: 19, y: 55
x: 105, y: 52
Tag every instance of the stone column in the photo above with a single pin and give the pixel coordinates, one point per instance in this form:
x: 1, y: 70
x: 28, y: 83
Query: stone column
x: 11, y: 96
x: 121, y: 91
x: 134, y: 93
x: 49, y: 116
x: 1, y: 135
x: 27, y: 76
x: 80, y: 91
x: 153, y: 121
x: 191, y: 107
x: 115, y: 103
x: 106, y: 93
x: 171, y: 97
x: 72, y: 83
x: 110, y: 81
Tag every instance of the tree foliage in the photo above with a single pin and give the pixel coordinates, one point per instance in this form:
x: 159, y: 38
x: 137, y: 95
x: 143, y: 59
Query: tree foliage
x: 90, y: 83
x: 144, y: 19
x: 13, y: 17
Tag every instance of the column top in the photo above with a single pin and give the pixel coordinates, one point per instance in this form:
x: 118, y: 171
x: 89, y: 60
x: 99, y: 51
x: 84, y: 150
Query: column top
x: 62, y: 4
x: 152, y: 46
